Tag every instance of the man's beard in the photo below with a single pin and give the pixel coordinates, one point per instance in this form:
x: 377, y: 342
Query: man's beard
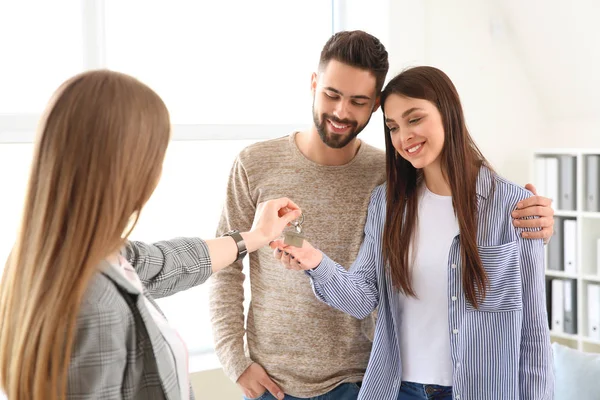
x: 333, y: 140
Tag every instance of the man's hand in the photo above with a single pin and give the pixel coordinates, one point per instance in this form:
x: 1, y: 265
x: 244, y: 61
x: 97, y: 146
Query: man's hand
x: 255, y: 381
x: 535, y: 206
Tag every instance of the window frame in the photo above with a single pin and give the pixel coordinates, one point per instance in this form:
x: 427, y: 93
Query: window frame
x: 21, y: 127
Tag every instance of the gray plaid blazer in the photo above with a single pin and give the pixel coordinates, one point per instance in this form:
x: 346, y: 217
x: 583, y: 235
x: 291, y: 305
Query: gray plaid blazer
x: 119, y: 351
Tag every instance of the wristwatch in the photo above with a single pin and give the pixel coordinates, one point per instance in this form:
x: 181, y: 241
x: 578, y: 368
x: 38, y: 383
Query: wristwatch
x: 239, y: 241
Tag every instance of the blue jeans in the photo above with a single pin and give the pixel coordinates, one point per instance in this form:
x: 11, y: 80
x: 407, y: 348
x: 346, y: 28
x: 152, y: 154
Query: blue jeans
x: 346, y: 391
x: 418, y: 391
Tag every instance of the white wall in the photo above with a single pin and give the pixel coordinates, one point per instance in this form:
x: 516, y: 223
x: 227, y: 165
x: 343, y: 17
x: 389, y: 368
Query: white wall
x: 561, y: 53
x: 469, y: 40
x: 558, y: 44
x: 574, y: 132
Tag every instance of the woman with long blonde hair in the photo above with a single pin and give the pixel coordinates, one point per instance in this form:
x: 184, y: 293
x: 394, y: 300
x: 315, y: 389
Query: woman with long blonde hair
x: 78, y: 318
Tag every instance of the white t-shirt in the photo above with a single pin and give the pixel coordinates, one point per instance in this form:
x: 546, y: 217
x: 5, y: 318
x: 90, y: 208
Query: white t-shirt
x: 174, y: 341
x: 425, y: 341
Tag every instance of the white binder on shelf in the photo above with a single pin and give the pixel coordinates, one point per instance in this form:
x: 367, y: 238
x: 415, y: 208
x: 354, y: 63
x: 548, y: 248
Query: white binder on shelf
x: 540, y: 176
x: 557, y: 305
x: 552, y: 171
x: 593, y: 310
x: 597, y: 257
x: 570, y: 245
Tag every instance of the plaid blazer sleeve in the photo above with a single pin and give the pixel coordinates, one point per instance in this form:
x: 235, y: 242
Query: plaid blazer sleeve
x: 99, y: 355
x: 168, y: 267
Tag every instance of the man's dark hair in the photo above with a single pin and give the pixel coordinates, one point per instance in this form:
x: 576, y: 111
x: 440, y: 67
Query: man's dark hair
x: 357, y: 49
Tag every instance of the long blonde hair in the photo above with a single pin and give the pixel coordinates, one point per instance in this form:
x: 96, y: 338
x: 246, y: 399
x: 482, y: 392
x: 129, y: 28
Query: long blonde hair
x: 98, y: 157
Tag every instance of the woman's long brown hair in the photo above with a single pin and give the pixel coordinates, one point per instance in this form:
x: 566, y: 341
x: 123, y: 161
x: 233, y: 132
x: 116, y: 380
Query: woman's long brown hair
x: 460, y: 160
x: 98, y: 157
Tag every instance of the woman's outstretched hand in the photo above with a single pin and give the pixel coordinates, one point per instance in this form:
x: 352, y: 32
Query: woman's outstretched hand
x: 272, y: 217
x: 297, y: 258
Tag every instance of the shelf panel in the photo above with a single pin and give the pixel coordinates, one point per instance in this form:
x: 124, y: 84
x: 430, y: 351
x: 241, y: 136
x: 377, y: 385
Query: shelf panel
x: 590, y: 341
x: 591, y: 278
x: 589, y: 214
x: 570, y: 151
x: 556, y: 152
x: 564, y: 336
x: 590, y: 347
x: 574, y: 344
x: 566, y: 213
x: 560, y: 274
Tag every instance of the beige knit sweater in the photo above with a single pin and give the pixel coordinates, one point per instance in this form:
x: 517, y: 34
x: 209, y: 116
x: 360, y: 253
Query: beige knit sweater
x: 307, y: 347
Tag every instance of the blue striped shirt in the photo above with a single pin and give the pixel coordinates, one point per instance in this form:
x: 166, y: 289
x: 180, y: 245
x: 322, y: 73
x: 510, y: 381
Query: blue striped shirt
x: 499, y: 351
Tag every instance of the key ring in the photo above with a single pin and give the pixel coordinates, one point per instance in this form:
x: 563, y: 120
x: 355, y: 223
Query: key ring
x: 295, y: 238
x: 298, y: 223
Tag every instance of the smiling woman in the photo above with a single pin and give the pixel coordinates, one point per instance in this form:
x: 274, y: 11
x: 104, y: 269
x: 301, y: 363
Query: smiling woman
x: 415, y: 128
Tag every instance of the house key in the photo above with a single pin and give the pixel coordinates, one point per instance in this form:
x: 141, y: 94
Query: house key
x: 295, y: 238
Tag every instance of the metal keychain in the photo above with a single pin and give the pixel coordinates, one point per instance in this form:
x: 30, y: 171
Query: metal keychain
x: 295, y: 237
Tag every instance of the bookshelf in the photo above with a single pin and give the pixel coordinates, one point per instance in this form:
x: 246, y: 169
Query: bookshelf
x: 571, y: 184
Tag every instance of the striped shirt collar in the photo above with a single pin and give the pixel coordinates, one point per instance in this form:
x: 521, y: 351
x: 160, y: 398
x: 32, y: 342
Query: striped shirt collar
x: 485, y: 181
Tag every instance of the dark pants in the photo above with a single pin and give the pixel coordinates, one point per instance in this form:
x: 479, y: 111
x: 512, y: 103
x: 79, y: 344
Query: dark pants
x: 418, y: 391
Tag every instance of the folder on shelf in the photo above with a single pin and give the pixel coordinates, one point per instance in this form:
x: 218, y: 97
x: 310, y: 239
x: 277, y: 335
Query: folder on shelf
x: 540, y: 175
x: 570, y: 304
x: 568, y: 167
x: 552, y: 172
x: 555, y: 247
x: 592, y: 183
x: 570, y: 246
x: 557, y: 305
x: 598, y: 257
x: 593, y: 310
x: 549, y: 301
